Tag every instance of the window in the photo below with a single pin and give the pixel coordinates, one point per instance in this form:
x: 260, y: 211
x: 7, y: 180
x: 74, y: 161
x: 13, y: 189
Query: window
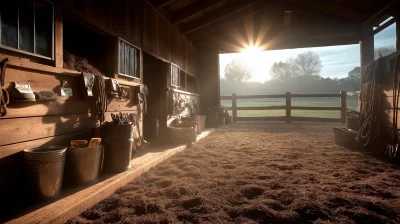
x: 27, y: 25
x: 129, y: 59
x: 174, y: 75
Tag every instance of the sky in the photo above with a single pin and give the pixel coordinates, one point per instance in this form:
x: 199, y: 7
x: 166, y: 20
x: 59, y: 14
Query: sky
x: 337, y: 61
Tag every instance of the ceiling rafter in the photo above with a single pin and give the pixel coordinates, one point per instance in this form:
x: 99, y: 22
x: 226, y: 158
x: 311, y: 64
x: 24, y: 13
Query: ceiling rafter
x: 332, y: 8
x: 192, y: 10
x: 261, y: 6
x: 380, y: 12
x: 162, y: 4
x: 216, y: 15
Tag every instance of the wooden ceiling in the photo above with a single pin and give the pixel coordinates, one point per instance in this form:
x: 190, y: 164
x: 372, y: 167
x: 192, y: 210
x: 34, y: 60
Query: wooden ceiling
x: 233, y: 21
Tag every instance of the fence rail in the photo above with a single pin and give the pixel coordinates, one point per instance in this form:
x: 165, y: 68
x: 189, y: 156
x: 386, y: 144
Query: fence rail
x: 288, y: 107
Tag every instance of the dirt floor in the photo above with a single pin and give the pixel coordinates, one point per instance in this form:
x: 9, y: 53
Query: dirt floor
x: 259, y: 173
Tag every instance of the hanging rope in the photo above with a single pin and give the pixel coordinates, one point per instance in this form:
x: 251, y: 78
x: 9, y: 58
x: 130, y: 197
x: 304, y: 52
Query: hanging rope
x: 100, y: 95
x: 4, y: 96
x: 371, y: 109
x: 392, y: 149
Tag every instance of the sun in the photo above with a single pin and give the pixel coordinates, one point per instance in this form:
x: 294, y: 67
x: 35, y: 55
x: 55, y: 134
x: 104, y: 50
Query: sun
x: 252, y: 57
x: 251, y: 50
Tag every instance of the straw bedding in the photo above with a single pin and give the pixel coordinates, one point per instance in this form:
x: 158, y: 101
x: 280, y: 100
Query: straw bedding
x: 259, y: 173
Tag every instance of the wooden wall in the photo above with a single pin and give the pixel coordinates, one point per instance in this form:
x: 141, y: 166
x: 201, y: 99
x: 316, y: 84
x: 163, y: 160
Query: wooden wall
x: 32, y: 124
x: 385, y: 80
x: 139, y: 23
x: 209, y: 81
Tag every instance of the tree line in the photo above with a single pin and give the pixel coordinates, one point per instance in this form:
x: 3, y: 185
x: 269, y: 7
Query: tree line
x: 301, y: 74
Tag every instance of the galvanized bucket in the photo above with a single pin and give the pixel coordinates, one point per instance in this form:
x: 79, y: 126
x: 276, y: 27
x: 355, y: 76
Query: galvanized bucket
x: 117, y: 141
x: 182, y: 134
x: 83, y: 165
x: 201, y: 123
x: 221, y: 121
x: 44, y: 168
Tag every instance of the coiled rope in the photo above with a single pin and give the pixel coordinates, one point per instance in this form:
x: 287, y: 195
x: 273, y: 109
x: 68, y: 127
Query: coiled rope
x: 100, y: 96
x: 371, y: 110
x: 392, y: 150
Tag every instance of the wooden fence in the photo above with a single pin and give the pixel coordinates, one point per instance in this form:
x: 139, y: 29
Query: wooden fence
x: 288, y: 107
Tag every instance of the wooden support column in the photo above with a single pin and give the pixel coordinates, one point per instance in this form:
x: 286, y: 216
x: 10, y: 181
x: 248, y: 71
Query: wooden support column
x: 288, y: 107
x: 367, y: 45
x: 397, y: 33
x: 234, y: 107
x: 208, y: 75
x: 397, y: 17
x: 58, y: 37
x: 343, y: 106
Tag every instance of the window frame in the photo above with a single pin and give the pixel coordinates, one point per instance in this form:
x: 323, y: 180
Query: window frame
x: 119, y: 59
x: 179, y: 75
x: 34, y: 36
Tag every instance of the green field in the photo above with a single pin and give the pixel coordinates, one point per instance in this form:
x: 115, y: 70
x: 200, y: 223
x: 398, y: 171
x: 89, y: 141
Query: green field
x: 352, y: 103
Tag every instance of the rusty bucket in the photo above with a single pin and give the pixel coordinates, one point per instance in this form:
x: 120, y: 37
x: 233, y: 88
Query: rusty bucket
x: 44, y: 168
x: 83, y: 165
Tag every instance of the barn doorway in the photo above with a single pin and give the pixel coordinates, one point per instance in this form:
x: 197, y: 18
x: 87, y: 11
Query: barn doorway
x: 154, y: 77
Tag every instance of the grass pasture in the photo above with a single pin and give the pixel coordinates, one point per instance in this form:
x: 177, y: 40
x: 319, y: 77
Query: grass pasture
x: 352, y: 103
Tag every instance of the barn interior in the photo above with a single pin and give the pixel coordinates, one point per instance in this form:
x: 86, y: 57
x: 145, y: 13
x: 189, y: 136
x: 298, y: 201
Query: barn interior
x: 173, y: 48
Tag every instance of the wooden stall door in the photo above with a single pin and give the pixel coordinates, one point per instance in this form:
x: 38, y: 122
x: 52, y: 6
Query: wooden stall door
x: 153, y: 78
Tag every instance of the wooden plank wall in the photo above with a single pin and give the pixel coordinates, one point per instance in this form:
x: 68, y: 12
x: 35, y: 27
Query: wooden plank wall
x: 139, y: 23
x: 32, y: 124
x: 386, y: 82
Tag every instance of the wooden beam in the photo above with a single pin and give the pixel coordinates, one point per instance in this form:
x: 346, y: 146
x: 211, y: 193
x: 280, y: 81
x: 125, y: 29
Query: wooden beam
x: 192, y: 10
x: 384, y: 26
x: 165, y: 3
x: 58, y: 37
x: 216, y: 15
x: 280, y: 40
x: 380, y: 12
x: 332, y: 8
x: 233, y: 19
x: 367, y: 46
x: 397, y: 17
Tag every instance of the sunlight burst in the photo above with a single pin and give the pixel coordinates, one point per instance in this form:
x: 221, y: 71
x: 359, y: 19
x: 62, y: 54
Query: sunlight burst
x: 252, y: 50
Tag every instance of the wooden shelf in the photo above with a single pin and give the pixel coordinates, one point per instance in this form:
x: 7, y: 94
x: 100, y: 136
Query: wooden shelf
x: 25, y: 64
x: 21, y: 63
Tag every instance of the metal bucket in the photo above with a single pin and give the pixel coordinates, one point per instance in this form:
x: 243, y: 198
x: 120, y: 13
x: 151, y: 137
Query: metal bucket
x: 221, y: 121
x: 44, y: 168
x: 212, y: 120
x: 182, y: 134
x: 117, y: 132
x: 83, y: 165
x: 344, y: 137
x: 117, y: 155
x: 117, y: 141
x: 201, y: 123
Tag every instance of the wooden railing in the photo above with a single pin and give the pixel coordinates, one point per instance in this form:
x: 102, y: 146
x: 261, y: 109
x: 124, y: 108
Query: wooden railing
x: 288, y: 107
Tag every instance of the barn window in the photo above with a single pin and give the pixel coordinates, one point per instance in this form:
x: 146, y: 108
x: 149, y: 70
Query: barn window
x: 174, y: 75
x: 27, y: 25
x: 129, y: 59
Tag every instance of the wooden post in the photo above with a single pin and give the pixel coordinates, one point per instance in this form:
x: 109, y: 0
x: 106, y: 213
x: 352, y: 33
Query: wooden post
x: 367, y: 45
x: 288, y: 107
x: 343, y: 97
x: 234, y: 105
x: 58, y: 37
x: 397, y: 16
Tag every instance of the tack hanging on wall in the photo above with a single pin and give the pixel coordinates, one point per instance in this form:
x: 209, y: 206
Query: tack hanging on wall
x: 66, y: 90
